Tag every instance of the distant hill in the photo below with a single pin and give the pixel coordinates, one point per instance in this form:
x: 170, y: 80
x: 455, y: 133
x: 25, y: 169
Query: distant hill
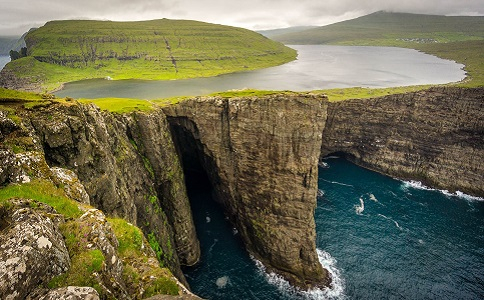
x: 456, y: 38
x: 63, y: 51
x: 391, y: 29
x: 279, y: 31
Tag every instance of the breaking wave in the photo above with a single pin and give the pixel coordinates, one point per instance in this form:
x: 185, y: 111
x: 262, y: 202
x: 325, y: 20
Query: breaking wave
x: 420, y: 186
x: 335, y: 292
x: 360, y: 208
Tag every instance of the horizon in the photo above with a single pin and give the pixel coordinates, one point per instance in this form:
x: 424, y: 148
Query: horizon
x: 254, y: 15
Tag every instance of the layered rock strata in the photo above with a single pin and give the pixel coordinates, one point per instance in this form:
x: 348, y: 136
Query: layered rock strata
x: 435, y: 136
x: 261, y: 155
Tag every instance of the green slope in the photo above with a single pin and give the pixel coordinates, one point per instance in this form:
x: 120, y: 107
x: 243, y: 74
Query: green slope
x: 456, y: 38
x: 63, y: 51
x: 395, y: 29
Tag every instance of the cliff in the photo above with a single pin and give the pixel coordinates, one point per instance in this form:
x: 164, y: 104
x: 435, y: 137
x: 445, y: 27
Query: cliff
x: 260, y: 155
x: 435, y: 136
x: 65, y: 166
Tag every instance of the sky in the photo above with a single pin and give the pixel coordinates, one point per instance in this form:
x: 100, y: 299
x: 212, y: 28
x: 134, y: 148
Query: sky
x: 16, y: 17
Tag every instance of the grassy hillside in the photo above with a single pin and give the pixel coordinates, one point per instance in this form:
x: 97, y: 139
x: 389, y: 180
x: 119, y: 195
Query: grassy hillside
x: 63, y: 51
x: 279, y: 31
x: 395, y: 29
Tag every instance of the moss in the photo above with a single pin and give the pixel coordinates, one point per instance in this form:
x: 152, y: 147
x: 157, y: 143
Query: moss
x: 156, y: 247
x: 131, y: 252
x: 83, y: 265
x: 130, y: 237
x: 163, y: 286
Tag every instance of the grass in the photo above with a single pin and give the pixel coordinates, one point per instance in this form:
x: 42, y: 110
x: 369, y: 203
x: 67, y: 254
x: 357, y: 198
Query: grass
x: 130, y: 241
x: 120, y: 105
x: 45, y: 192
x: 363, y: 93
x: 7, y: 95
x: 64, y: 51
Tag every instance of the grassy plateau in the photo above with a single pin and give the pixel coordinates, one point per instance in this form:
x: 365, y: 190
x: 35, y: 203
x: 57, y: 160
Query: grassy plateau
x: 64, y: 51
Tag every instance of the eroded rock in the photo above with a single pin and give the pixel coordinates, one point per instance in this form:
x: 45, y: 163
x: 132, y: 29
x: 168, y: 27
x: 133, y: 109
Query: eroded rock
x: 71, y: 293
x: 32, y: 251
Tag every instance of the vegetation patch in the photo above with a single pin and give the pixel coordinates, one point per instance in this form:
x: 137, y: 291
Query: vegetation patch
x: 363, y: 93
x: 64, y: 51
x: 120, y: 105
x: 131, y: 251
x: 45, y: 192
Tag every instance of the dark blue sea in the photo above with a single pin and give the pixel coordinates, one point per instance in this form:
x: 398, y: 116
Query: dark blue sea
x: 380, y: 238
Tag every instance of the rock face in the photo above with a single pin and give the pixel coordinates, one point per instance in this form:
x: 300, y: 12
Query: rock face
x: 128, y: 167
x: 260, y: 155
x: 435, y: 136
x: 32, y: 250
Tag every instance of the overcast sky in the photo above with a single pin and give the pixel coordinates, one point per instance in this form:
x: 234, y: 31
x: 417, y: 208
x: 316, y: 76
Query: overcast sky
x: 17, y: 16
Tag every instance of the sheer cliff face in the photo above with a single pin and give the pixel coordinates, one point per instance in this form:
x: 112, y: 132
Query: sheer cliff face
x: 128, y: 166
x: 261, y: 155
x: 435, y: 136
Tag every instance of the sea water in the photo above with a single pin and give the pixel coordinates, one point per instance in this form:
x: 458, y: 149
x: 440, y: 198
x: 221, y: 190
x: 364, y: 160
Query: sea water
x: 380, y: 238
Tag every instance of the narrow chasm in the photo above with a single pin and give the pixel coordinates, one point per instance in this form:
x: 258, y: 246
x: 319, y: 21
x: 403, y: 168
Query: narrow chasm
x: 225, y: 268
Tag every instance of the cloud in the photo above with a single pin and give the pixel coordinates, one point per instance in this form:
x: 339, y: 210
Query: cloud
x: 252, y: 14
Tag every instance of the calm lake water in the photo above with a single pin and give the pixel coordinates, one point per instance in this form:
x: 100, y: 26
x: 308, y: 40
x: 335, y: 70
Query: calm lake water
x: 381, y: 238
x: 317, y: 67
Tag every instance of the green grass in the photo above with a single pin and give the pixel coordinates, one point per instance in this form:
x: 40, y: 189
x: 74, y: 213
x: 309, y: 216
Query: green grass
x: 7, y: 95
x: 130, y: 237
x: 64, y: 51
x: 120, y: 105
x: 391, y: 29
x: 130, y: 240
x: 249, y: 93
x: 45, y: 192
x: 363, y: 93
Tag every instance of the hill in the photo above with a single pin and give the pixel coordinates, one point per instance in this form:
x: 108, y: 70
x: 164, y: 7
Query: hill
x: 456, y: 38
x: 279, y: 31
x: 63, y: 51
x: 391, y: 28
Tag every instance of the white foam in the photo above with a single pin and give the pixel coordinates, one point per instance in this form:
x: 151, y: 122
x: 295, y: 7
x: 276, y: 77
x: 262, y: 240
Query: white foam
x: 360, y: 208
x: 388, y: 218
x: 335, y: 182
x: 335, y: 292
x: 222, y: 282
x: 320, y: 193
x: 418, y: 185
x: 373, y: 198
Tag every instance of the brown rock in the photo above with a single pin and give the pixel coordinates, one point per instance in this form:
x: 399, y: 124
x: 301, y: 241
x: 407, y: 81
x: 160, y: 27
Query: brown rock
x: 261, y: 157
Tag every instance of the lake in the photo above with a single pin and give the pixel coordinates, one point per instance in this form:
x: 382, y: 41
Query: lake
x: 317, y: 67
x: 380, y: 238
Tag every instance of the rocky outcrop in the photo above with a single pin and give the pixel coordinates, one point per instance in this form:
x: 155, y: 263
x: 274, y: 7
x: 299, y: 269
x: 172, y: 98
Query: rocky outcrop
x: 435, y: 136
x: 71, y: 293
x: 261, y: 155
x: 32, y: 250
x: 128, y: 167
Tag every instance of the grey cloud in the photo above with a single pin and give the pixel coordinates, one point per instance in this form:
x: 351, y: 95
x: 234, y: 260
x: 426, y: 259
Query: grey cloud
x: 260, y: 14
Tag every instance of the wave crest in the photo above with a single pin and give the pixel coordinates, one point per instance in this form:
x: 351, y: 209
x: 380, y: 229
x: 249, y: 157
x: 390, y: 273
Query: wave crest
x: 335, y: 292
